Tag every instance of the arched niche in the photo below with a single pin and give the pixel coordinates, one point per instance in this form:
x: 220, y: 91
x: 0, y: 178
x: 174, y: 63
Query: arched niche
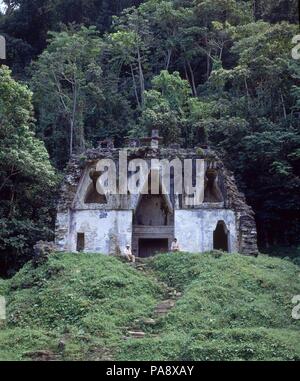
x: 93, y: 197
x: 221, y: 237
x: 212, y: 192
x: 153, y: 209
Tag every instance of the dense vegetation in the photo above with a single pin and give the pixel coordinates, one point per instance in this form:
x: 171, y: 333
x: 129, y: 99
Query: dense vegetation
x: 203, y: 71
x: 26, y: 175
x: 78, y: 307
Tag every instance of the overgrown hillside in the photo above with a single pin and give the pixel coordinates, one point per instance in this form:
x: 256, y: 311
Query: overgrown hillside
x: 82, y: 306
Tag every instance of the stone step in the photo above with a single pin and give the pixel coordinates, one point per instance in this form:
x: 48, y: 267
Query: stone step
x: 140, y: 260
x: 169, y: 303
x: 148, y: 321
x: 174, y: 294
x: 139, y: 322
x: 42, y: 355
x: 164, y: 307
x: 136, y: 334
x: 162, y: 312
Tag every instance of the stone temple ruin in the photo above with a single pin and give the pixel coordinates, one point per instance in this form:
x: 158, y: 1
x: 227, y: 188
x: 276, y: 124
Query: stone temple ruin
x: 104, y: 223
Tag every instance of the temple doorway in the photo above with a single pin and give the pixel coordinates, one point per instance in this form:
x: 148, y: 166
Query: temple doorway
x: 149, y: 247
x: 153, y: 225
x: 221, y: 236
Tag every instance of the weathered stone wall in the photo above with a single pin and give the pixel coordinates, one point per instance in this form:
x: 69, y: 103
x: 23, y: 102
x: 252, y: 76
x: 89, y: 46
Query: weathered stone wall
x: 62, y: 228
x: 194, y: 228
x: 246, y: 226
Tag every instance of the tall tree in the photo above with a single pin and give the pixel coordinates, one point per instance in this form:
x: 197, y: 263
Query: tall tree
x: 255, y: 123
x: 67, y: 83
x: 26, y: 175
x: 26, y: 23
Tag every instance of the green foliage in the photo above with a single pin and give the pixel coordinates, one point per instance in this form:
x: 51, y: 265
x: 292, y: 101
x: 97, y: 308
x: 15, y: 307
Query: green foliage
x: 213, y: 72
x: 238, y: 344
x: 170, y: 108
x: 20, y: 150
x: 27, y: 24
x: 17, y: 344
x: 232, y: 307
x: 67, y: 85
x: 87, y: 295
x: 277, y: 10
x: 176, y: 90
x: 246, y: 297
x: 26, y: 175
x: 165, y: 105
x: 255, y: 125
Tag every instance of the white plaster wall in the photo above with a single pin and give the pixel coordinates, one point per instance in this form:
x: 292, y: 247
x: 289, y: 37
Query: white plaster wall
x: 194, y: 228
x: 98, y: 225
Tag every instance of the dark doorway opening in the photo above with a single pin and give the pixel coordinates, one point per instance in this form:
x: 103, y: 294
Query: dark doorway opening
x: 80, y: 242
x: 153, y: 223
x: 149, y: 247
x: 221, y: 237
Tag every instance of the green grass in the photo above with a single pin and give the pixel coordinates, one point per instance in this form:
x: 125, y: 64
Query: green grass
x: 232, y: 307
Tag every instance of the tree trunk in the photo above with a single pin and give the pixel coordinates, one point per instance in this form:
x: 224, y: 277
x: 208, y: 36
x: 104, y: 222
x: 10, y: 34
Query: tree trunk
x: 9, y: 8
x: 168, y: 58
x: 135, y: 87
x: 246, y: 87
x: 186, y: 73
x: 71, y: 136
x: 2, y: 185
x: 207, y: 58
x: 253, y: 8
x: 12, y: 206
x: 221, y: 52
x: 192, y: 79
x: 283, y: 105
x: 141, y: 76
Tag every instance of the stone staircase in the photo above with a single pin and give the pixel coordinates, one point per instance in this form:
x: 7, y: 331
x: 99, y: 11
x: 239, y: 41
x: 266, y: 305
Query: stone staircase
x: 137, y: 331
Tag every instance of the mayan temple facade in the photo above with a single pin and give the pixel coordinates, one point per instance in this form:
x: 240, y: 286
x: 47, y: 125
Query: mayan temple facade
x: 104, y: 223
